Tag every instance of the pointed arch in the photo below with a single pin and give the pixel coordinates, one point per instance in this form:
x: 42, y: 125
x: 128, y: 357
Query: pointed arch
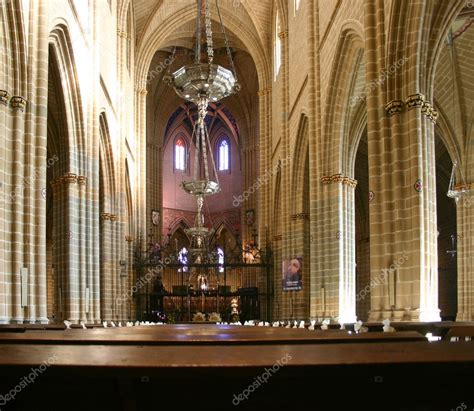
x: 129, y: 200
x: 14, y: 43
x: 419, y: 40
x: 107, y: 169
x: 337, y: 105
x: 179, y: 223
x: 62, y: 51
x: 299, y: 164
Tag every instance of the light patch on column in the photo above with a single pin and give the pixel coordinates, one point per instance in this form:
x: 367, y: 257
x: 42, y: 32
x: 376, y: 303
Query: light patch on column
x: 391, y: 287
x: 87, y: 299
x: 24, y: 286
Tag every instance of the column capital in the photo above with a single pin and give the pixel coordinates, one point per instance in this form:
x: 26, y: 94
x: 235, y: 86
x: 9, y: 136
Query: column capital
x: 129, y: 238
x: 265, y: 91
x: 82, y: 180
x: 142, y: 91
x: 299, y: 216
x: 18, y: 103
x: 108, y: 217
x: 394, y: 107
x: 69, y: 178
x: 122, y: 33
x: 429, y: 111
x: 416, y: 100
x: 339, y: 179
x: 4, y: 96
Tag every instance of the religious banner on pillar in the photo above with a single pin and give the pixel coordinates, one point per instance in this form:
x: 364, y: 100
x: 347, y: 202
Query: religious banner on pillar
x: 292, y: 270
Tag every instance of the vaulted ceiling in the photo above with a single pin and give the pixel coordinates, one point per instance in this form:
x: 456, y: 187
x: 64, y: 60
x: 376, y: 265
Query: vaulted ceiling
x: 148, y: 12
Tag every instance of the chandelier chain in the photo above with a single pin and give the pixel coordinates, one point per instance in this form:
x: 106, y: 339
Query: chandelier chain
x: 229, y: 54
x: 197, y: 57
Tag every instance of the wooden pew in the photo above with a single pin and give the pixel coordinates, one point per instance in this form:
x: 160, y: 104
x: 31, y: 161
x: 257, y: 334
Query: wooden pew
x: 202, y: 335
x: 315, y: 376
x: 460, y: 332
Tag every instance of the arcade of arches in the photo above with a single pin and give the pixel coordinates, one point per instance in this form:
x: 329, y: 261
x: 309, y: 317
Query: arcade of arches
x: 338, y: 151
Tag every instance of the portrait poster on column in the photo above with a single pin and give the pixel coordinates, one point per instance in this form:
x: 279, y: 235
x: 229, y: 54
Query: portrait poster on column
x: 292, y: 274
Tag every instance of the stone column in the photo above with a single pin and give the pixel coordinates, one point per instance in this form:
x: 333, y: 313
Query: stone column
x: 337, y: 291
x: 404, y: 265
x: 106, y: 268
x: 17, y: 238
x: 36, y: 163
x: 264, y: 194
x: 317, y: 309
x: 140, y: 101
x: 465, y: 256
x: 4, y: 204
x: 67, y: 240
x: 129, y: 301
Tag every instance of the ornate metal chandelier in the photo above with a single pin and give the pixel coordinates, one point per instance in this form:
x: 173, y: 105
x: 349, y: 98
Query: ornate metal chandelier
x: 457, y: 190
x: 201, y: 83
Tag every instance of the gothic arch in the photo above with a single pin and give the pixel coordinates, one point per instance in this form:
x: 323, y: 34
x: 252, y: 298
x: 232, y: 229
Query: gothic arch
x: 155, y: 39
x: 446, y: 134
x: 352, y: 140
x: 61, y: 47
x: 179, y: 223
x: 277, y: 204
x: 344, y: 65
x: 221, y: 225
x: 129, y: 201
x: 107, y: 165
x: 417, y: 30
x: 14, y: 52
x: 299, y: 165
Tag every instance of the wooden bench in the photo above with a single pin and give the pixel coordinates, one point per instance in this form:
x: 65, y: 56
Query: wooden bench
x: 459, y: 332
x: 314, y: 376
x: 202, y: 335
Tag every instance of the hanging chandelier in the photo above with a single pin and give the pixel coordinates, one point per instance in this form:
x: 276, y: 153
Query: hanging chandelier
x: 203, y: 82
x: 455, y: 190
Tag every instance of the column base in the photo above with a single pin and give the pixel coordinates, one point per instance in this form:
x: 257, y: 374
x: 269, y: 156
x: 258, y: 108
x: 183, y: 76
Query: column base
x: 396, y: 315
x: 374, y: 316
x: 347, y: 319
x: 17, y: 320
x: 4, y: 320
x: 465, y: 316
x: 42, y: 320
x: 430, y: 315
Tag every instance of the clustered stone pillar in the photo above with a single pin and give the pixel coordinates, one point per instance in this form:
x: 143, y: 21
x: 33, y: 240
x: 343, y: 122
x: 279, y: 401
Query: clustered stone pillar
x: 4, y: 311
x: 337, y: 291
x: 316, y: 284
x: 465, y: 255
x: 264, y: 193
x: 265, y: 109
x: 288, y: 298
x: 404, y: 258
